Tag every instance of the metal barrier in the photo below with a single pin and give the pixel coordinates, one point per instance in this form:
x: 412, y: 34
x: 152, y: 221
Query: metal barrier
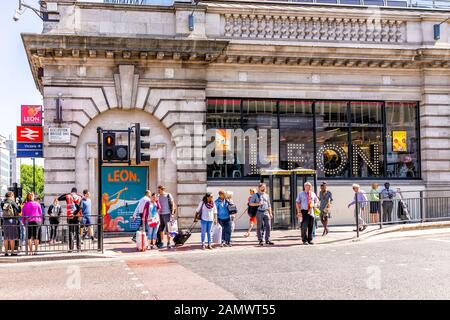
x: 54, y: 238
x: 404, y: 207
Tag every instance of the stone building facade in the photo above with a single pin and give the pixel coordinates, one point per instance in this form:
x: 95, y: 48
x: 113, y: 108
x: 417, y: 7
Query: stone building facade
x: 113, y: 65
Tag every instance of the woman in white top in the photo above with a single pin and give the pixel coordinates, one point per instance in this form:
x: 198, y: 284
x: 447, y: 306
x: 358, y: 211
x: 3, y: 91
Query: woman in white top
x: 207, y: 209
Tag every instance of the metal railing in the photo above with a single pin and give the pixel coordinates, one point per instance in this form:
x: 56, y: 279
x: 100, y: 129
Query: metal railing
x: 404, y: 207
x: 53, y: 237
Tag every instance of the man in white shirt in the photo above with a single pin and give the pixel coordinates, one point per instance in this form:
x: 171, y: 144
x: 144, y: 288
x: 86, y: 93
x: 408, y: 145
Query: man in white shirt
x: 140, y: 209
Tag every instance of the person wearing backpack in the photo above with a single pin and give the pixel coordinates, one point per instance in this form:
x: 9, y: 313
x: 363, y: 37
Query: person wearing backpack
x: 167, y: 213
x: 10, y: 222
x: 54, y: 212
x: 74, y: 215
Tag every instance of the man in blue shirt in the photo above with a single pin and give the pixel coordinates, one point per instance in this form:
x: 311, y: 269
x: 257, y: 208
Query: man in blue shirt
x: 224, y: 219
x: 387, y: 202
x: 86, y: 207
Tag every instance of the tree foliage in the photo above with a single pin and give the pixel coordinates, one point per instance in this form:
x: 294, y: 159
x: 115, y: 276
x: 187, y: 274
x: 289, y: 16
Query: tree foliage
x: 26, y: 179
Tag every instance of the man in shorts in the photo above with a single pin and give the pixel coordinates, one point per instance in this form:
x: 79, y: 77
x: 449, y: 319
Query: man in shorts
x: 167, y: 213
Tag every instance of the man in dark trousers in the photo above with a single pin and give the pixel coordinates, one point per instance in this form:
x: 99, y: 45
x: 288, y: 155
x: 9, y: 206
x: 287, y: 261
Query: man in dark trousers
x: 387, y: 202
x: 73, y: 209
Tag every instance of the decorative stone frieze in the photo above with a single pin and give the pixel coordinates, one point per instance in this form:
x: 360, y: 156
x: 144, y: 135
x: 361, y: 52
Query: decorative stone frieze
x: 263, y: 26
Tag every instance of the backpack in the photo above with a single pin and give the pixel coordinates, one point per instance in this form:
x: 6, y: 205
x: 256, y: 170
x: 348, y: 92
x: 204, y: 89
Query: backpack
x: 252, y: 210
x: 232, y: 208
x: 8, y: 210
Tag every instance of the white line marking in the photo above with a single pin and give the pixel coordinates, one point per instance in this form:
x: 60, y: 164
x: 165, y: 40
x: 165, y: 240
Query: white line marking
x: 134, y: 279
x: 363, y: 256
x: 427, y: 269
x: 139, y: 285
x: 439, y: 240
x: 382, y: 261
x: 130, y: 273
x: 145, y: 292
x: 401, y: 264
x: 347, y: 253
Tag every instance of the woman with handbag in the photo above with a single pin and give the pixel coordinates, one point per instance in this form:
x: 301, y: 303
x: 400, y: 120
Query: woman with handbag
x: 325, y: 198
x: 207, y: 213
x: 152, y: 220
x: 251, y: 211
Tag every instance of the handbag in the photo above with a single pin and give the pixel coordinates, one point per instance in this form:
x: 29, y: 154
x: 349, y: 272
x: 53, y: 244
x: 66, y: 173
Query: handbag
x: 198, y: 215
x: 232, y: 208
x: 153, y: 221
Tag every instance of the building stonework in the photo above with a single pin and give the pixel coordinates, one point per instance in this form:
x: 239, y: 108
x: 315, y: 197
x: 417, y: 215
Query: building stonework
x: 113, y: 65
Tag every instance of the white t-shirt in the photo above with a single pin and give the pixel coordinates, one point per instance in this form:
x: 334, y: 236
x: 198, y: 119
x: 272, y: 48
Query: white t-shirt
x: 207, y: 214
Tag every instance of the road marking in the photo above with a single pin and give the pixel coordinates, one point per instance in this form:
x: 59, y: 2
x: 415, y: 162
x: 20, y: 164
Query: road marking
x: 363, y: 256
x: 401, y: 264
x: 145, y: 292
x: 130, y: 273
x: 347, y: 253
x: 439, y: 240
x: 134, y: 279
x: 139, y: 285
x: 382, y: 261
x: 427, y: 269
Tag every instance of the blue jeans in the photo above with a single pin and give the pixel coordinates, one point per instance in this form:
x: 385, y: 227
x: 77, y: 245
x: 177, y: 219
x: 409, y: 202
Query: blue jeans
x: 206, y: 229
x: 152, y: 232
x: 226, y: 229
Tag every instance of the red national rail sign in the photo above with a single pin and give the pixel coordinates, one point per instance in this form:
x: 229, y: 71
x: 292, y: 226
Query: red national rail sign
x: 29, y: 134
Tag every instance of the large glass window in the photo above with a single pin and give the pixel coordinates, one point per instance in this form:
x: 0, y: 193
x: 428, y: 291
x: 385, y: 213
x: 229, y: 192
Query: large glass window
x: 260, y: 152
x: 296, y: 134
x: 402, y: 140
x: 332, y: 139
x: 366, y: 139
x: 352, y: 139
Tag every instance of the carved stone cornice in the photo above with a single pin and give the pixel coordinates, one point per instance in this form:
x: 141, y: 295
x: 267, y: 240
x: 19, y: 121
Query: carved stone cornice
x: 120, y: 50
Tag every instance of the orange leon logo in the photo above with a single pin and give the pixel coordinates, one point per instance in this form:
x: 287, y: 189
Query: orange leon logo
x: 122, y: 176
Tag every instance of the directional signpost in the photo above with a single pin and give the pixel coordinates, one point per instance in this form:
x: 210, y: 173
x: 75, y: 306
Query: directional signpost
x: 30, y: 136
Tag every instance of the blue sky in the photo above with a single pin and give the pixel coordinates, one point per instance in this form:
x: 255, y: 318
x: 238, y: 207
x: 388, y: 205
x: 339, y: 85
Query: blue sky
x: 16, y: 82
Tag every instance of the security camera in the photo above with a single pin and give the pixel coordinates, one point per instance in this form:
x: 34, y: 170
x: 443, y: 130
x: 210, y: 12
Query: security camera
x: 17, y: 15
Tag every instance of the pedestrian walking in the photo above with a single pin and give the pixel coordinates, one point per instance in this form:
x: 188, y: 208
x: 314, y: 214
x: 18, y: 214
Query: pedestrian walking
x: 261, y: 200
x: 152, y: 219
x: 43, y: 233
x: 74, y: 216
x: 54, y: 212
x: 167, y: 213
x: 223, y: 217
x: 139, y: 211
x: 325, y: 199
x: 251, y: 211
x: 86, y: 209
x: 207, y: 214
x: 10, y: 223
x: 232, y: 210
x: 305, y: 203
x: 387, y: 202
x: 361, y: 198
x: 32, y: 219
x: 374, y: 198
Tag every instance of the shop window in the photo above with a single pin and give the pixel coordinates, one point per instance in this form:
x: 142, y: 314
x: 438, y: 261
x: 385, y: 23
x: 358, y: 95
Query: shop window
x: 366, y: 139
x: 402, y: 140
x: 332, y: 139
x: 296, y: 134
x: 262, y: 152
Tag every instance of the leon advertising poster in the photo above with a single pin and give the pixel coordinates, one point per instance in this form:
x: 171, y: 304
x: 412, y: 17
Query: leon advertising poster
x: 122, y: 187
x: 399, y: 141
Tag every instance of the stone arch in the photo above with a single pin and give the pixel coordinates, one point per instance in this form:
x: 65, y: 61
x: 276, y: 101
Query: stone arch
x: 163, y: 167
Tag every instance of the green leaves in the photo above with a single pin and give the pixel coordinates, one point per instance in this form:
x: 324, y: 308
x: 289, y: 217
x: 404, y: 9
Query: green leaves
x: 26, y: 179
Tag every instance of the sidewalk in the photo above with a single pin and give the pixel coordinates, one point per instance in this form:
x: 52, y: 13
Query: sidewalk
x: 118, y: 247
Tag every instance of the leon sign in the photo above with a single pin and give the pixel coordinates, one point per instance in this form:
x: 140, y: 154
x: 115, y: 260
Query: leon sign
x: 31, y: 115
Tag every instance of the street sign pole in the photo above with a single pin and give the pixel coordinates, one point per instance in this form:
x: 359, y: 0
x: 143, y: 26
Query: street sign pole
x: 34, y: 175
x: 99, y: 194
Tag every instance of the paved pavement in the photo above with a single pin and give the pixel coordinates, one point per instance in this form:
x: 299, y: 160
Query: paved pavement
x: 413, y: 266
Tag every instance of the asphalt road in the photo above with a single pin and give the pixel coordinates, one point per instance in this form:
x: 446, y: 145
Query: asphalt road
x: 404, y: 268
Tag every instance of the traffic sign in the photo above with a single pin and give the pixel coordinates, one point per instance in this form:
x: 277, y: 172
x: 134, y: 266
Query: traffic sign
x: 29, y: 146
x: 29, y: 134
x: 30, y: 154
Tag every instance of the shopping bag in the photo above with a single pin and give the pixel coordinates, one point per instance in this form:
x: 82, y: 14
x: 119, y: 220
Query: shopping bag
x: 172, y: 228
x: 217, y: 234
x: 233, y: 225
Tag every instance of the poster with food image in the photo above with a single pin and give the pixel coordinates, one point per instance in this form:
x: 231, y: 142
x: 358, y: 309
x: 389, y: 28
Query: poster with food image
x: 399, y: 141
